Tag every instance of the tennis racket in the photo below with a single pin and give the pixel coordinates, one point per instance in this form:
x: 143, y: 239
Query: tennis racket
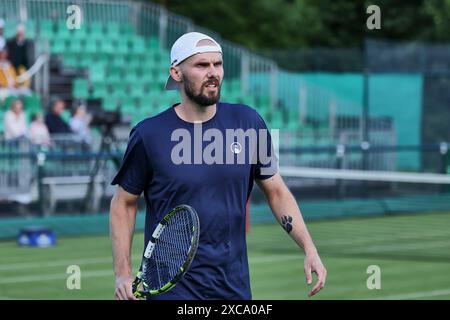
x: 169, y: 252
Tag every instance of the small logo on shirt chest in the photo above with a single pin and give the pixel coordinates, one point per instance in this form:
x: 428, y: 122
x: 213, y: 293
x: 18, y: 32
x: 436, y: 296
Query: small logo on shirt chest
x: 236, y: 147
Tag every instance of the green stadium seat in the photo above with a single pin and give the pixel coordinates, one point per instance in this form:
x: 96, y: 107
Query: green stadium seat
x: 128, y: 104
x: 70, y: 59
x: 90, y: 45
x: 66, y: 115
x: 138, y: 45
x: 101, y: 57
x: 113, y: 69
x: 137, y: 90
x: 32, y: 103
x: 85, y: 61
x: 131, y: 76
x: 79, y: 34
x: 58, y: 45
x: 139, y: 101
x: 172, y: 95
x: 136, y: 118
x: 110, y: 103
x: 113, y: 30
x: 155, y: 86
x: 107, y: 47
x: 263, y: 101
x: 113, y: 79
x: 121, y: 47
x: 10, y: 28
x: 136, y: 65
x: 120, y: 89
x: 293, y: 124
x: 127, y: 29
x: 235, y: 85
x: 144, y: 109
x: 149, y: 100
x: 149, y: 62
x: 8, y: 102
x: 95, y: 30
x: 153, y: 43
x: 99, y: 90
x: 233, y: 97
x: 30, y: 29
x: 161, y: 57
x: 74, y: 45
x: 62, y: 32
x: 119, y: 60
x: 80, y: 88
x: 46, y: 28
x: 277, y: 120
x: 248, y: 100
x: 96, y: 73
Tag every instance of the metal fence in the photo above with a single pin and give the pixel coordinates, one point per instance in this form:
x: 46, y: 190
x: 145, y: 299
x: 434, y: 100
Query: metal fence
x: 69, y: 170
x: 63, y: 170
x: 432, y: 61
x: 149, y: 20
x: 333, y: 118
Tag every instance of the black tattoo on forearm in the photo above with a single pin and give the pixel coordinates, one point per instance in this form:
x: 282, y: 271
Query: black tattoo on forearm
x: 286, y: 222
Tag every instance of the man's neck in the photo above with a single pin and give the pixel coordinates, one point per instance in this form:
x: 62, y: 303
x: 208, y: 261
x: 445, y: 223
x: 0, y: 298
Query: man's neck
x: 189, y: 111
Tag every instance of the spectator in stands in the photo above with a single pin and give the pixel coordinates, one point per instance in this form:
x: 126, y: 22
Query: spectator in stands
x: 14, y: 122
x: 8, y: 75
x: 79, y: 124
x: 20, y: 50
x: 55, y: 123
x: 9, y: 82
x: 2, y: 37
x: 38, y: 133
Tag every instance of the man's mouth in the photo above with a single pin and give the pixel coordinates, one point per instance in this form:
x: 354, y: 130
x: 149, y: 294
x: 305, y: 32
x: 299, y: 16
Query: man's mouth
x: 212, y: 84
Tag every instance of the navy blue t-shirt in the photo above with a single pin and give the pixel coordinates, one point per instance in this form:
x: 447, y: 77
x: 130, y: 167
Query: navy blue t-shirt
x: 155, y: 163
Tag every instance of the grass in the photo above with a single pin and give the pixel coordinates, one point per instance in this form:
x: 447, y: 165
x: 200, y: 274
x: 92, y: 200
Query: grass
x: 412, y: 251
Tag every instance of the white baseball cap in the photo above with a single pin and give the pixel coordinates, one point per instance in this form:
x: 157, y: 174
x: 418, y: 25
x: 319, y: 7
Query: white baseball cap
x: 185, y: 47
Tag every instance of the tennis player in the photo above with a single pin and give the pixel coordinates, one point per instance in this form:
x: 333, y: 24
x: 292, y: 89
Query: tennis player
x: 157, y: 163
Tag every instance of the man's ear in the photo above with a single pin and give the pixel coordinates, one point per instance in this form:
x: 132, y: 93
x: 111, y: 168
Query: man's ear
x: 175, y: 73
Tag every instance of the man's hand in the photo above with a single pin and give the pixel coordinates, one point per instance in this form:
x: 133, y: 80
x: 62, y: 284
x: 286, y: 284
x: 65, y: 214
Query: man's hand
x: 123, y: 288
x: 313, y: 264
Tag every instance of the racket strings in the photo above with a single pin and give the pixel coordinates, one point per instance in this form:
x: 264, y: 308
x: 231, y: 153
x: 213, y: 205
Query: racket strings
x: 171, y: 250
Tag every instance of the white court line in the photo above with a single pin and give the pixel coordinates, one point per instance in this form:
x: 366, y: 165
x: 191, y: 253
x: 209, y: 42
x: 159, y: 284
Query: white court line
x: 392, y: 176
x: 376, y: 248
x: 109, y: 272
x: 417, y: 295
x: 25, y: 265
x: 406, y: 246
x: 275, y: 258
x: 384, y: 237
x: 65, y: 263
x: 59, y: 276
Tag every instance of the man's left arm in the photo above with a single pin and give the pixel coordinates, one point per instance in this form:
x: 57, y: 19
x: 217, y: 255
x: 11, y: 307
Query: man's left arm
x: 286, y: 211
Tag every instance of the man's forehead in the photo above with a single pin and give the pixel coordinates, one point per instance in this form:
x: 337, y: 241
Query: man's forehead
x: 206, y: 56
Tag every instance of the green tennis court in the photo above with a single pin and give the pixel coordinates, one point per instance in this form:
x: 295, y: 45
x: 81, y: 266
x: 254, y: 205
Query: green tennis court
x: 412, y: 252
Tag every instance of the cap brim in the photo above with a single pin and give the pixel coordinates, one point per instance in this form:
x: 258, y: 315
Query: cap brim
x: 171, y: 84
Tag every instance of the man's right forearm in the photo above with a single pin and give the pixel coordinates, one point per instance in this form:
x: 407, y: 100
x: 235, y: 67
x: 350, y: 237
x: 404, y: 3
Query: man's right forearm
x: 122, y: 222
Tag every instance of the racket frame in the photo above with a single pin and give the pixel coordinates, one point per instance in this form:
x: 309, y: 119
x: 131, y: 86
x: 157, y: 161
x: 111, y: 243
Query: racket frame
x: 139, y: 282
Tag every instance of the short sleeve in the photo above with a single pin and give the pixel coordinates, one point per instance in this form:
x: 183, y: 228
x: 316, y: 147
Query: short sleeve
x: 135, y: 171
x: 266, y: 164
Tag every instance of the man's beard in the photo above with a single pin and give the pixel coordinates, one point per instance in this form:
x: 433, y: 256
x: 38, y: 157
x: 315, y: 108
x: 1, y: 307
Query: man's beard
x: 200, y: 99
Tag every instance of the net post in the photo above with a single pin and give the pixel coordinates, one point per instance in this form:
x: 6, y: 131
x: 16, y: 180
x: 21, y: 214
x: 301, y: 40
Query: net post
x: 40, y: 159
x: 340, y: 154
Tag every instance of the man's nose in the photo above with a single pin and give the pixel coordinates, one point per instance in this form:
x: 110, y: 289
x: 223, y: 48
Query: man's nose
x: 212, y: 71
